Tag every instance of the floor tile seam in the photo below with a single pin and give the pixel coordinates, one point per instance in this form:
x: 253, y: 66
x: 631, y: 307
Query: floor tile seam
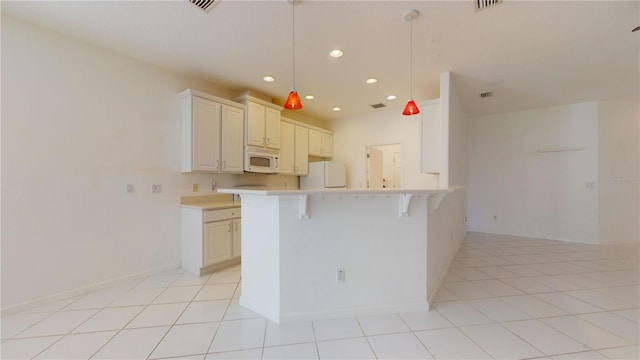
x: 532, y: 345
x: 226, y: 310
x: 105, y: 344
x: 315, y: 339
x: 15, y: 336
x: 365, y: 338
x: 600, y: 327
x: 588, y: 302
x: 264, y: 338
x: 613, y: 347
x: 416, y: 335
x: 59, y: 334
x: 177, y: 357
x: 169, y: 330
x: 604, y: 330
x: 563, y: 293
x: 459, y: 329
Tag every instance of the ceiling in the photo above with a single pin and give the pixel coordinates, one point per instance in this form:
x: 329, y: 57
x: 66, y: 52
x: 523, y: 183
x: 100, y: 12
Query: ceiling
x: 531, y: 54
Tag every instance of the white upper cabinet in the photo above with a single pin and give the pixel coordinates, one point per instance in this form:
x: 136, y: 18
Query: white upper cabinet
x: 320, y: 143
x: 212, y: 133
x: 232, y: 139
x: 272, y: 128
x: 301, y: 164
x: 255, y: 124
x: 294, y: 150
x: 262, y: 122
x: 287, y: 148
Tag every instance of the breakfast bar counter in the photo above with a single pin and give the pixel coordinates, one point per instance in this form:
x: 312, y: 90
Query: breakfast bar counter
x: 319, y: 254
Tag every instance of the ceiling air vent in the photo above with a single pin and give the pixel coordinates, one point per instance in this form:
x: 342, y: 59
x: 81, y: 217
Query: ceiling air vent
x: 205, y: 5
x: 378, y: 105
x: 484, y: 4
x: 486, y: 94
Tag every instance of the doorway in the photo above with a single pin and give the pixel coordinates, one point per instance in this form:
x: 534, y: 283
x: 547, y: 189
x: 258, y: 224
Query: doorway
x: 383, y: 166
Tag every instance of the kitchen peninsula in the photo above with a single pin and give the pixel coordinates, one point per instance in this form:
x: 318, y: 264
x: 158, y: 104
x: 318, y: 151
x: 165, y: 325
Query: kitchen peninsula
x: 318, y: 254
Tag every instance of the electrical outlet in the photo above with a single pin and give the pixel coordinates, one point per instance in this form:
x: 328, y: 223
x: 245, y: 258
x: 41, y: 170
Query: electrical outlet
x: 130, y: 189
x: 340, y: 276
x: 195, y: 187
x: 213, y: 185
x: 156, y: 188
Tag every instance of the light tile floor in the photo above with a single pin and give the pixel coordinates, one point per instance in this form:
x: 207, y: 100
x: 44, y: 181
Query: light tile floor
x: 504, y: 298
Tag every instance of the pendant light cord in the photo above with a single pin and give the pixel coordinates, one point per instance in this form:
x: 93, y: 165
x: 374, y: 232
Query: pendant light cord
x: 293, y: 42
x: 411, y: 52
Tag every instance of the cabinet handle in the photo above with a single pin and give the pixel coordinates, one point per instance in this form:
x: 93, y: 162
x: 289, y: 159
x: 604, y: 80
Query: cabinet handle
x: 268, y: 141
x: 224, y: 164
x: 217, y: 164
x: 263, y: 141
x: 235, y: 227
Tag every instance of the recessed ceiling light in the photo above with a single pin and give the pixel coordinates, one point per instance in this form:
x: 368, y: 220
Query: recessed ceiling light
x: 336, y: 109
x: 309, y: 97
x: 269, y: 78
x: 336, y: 53
x: 391, y: 97
x: 371, y: 81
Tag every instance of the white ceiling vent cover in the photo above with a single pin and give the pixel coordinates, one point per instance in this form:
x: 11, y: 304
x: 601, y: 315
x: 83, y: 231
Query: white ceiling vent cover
x: 205, y: 5
x: 484, y: 4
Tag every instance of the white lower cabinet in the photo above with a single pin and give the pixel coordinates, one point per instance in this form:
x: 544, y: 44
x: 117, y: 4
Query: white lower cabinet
x: 217, y: 242
x: 210, y: 239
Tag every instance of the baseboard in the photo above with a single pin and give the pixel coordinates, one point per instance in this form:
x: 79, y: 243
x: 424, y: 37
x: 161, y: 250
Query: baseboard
x: 490, y: 232
x: 83, y: 290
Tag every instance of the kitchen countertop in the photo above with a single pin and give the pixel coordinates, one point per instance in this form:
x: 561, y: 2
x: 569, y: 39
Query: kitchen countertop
x: 212, y: 205
x: 209, y: 202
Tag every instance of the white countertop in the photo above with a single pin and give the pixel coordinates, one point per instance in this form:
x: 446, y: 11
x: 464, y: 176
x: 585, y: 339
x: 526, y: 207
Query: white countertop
x: 211, y: 205
x: 333, y: 191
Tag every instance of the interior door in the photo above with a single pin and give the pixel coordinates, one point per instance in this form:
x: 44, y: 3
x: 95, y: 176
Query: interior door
x: 374, y: 158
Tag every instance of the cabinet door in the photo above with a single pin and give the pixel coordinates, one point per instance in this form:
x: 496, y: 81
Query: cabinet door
x: 301, y: 150
x: 287, y: 153
x: 315, y: 143
x: 237, y: 237
x: 327, y: 145
x: 206, y: 135
x: 272, y: 128
x: 232, y: 134
x: 217, y: 242
x: 255, y: 124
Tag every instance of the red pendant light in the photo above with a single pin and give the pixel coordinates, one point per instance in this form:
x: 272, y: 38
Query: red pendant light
x: 293, y: 100
x: 411, y: 108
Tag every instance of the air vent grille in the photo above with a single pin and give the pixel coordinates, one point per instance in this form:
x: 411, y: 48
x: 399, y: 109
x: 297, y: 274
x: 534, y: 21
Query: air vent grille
x: 205, y: 5
x: 378, y: 105
x: 483, y: 4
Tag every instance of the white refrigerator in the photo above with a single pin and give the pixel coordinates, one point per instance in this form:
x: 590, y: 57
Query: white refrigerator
x: 324, y: 174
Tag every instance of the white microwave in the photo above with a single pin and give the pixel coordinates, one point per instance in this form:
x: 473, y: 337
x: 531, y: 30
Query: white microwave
x: 261, y: 160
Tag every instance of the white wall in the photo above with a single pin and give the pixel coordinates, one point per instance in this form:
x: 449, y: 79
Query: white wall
x: 457, y: 139
x: 352, y: 136
x: 78, y: 123
x: 619, y: 171
x: 534, y: 194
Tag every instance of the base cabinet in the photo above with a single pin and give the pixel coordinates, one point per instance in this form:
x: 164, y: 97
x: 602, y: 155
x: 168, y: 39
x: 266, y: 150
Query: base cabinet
x: 217, y: 242
x: 210, y: 239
